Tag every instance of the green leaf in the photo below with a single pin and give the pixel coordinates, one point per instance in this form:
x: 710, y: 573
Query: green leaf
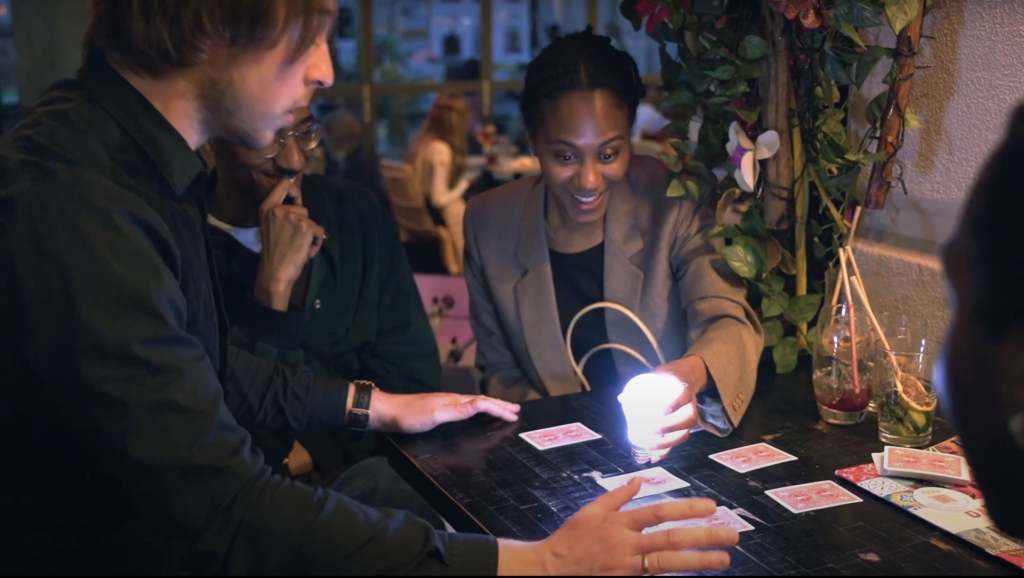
x: 671, y: 70
x: 872, y: 158
x: 700, y: 169
x: 803, y: 308
x: 675, y: 188
x: 753, y: 47
x: 859, y: 13
x: 876, y: 108
x: 681, y: 95
x: 753, y: 224
x: 928, y: 5
x: 737, y: 88
x: 835, y: 69
x: 867, y: 61
x: 812, y: 334
x: 742, y: 260
x: 785, y: 354
x: 715, y: 100
x: 723, y: 72
x: 628, y: 10
x: 819, y: 249
x: 775, y: 283
x: 748, y: 114
x: 673, y: 163
x: 910, y: 120
x: 902, y: 12
x: 691, y: 187
x: 724, y: 232
x: 850, y: 32
x: 774, y: 305
x: 748, y: 70
x: 815, y: 227
x: 772, y: 329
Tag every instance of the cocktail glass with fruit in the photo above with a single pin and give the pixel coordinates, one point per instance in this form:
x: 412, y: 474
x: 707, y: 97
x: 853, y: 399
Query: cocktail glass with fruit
x: 906, y: 401
x: 843, y: 365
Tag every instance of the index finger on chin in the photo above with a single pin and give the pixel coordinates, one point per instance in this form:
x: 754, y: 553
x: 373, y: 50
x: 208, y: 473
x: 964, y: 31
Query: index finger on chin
x: 279, y: 193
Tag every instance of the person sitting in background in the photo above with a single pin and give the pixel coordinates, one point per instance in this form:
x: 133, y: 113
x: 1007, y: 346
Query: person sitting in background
x: 597, y: 226
x: 437, y: 154
x: 352, y: 312
x: 980, y: 374
x: 345, y: 156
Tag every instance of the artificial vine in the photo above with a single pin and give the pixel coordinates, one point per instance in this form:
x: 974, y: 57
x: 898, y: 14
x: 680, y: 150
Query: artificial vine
x: 780, y: 71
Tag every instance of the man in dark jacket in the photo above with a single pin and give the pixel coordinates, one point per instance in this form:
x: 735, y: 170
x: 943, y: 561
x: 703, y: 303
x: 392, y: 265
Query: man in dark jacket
x: 116, y: 378
x: 352, y: 312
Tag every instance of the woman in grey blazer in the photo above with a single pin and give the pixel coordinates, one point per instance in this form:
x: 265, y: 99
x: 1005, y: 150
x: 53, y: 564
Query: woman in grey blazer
x: 597, y: 225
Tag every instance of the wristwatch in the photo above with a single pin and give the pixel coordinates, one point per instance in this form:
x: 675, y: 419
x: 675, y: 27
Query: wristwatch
x: 359, y: 414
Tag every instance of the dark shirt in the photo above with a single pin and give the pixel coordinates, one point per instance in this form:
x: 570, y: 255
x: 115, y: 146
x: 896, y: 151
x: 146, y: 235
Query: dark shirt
x: 359, y: 317
x: 579, y: 282
x: 119, y: 389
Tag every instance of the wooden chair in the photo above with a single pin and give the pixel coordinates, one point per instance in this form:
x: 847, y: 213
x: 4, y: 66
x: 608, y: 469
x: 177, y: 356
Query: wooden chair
x: 410, y: 209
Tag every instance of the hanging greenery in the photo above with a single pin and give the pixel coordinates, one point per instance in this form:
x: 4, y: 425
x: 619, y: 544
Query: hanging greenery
x: 768, y: 82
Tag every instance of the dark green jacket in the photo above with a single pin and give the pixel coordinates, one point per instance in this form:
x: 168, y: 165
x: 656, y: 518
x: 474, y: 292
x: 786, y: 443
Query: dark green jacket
x: 363, y: 317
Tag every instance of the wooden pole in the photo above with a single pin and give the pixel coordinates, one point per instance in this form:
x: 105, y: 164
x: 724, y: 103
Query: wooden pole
x: 776, y: 93
x: 891, y: 133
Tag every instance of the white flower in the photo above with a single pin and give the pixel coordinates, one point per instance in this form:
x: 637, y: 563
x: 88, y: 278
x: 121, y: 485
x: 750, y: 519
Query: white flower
x: 744, y: 154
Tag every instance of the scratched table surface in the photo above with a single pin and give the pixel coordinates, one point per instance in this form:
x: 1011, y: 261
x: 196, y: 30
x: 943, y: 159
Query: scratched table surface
x: 482, y: 477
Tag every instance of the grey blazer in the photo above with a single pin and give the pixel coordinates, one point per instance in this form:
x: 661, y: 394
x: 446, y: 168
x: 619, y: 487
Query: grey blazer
x: 657, y: 263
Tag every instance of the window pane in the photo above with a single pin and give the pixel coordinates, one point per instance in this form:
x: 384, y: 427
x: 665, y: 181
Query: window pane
x: 398, y: 119
x: 521, y: 29
x: 427, y: 40
x: 637, y: 44
x: 346, y: 43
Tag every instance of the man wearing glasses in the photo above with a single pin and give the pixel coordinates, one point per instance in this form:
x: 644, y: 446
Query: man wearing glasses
x: 350, y: 311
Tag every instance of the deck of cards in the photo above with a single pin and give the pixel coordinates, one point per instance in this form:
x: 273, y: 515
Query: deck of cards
x: 946, y: 469
x: 558, y: 436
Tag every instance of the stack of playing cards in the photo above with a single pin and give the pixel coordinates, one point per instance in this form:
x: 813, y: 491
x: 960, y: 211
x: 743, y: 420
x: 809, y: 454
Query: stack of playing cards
x: 946, y: 469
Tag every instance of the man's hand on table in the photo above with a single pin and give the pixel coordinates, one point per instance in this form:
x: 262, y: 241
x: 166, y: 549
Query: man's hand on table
x: 420, y: 412
x: 602, y: 540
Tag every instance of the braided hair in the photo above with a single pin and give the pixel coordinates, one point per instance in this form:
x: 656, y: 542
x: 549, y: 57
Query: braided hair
x: 581, y: 61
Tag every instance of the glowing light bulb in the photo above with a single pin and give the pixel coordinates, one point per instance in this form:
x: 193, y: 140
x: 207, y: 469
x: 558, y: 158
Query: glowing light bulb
x: 644, y: 400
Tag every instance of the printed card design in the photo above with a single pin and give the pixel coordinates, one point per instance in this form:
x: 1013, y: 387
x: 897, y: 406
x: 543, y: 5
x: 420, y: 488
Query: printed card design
x: 556, y: 437
x: 918, y: 461
x: 722, y: 518
x: 656, y: 481
x: 751, y: 458
x: 813, y: 496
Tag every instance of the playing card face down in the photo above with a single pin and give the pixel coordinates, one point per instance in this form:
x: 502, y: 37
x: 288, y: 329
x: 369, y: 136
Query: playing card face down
x: 722, y: 518
x: 931, y: 466
x: 656, y: 481
x: 813, y: 496
x: 751, y: 458
x: 563, y: 435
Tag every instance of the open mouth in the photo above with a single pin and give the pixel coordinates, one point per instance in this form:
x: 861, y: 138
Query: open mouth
x: 587, y: 202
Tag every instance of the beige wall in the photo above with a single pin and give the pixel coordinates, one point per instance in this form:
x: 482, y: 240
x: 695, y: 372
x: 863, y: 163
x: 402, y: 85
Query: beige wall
x: 975, y: 79
x: 48, y: 40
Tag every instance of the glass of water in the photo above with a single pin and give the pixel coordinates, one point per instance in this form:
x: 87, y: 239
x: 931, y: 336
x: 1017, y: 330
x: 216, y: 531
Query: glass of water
x: 843, y: 364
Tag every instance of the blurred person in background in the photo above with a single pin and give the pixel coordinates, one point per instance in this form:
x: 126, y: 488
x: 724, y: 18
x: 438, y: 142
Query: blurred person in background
x: 437, y: 154
x: 345, y: 156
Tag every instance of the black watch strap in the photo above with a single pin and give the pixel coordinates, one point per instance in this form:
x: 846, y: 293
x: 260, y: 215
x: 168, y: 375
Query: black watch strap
x: 359, y: 414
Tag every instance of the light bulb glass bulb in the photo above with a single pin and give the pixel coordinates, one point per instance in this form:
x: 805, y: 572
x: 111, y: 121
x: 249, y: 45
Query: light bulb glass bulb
x: 644, y: 401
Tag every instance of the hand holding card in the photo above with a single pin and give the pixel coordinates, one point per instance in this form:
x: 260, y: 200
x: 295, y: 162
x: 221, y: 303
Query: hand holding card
x: 722, y: 518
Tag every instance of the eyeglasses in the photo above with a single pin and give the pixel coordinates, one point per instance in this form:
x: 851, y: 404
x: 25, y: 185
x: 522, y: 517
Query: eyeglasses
x: 306, y: 135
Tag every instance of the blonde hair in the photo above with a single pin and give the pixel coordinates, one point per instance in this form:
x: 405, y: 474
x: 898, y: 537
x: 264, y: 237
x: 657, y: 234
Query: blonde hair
x: 448, y: 122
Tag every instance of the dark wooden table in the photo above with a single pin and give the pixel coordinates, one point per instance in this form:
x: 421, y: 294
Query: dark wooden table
x: 481, y: 477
